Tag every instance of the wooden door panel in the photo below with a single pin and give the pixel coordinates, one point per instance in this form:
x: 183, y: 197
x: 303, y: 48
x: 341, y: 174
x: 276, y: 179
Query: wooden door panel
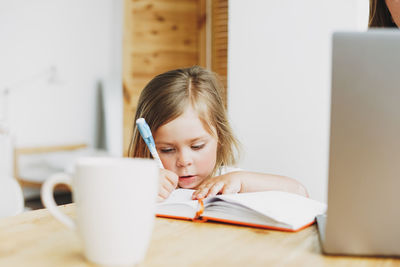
x: 161, y: 35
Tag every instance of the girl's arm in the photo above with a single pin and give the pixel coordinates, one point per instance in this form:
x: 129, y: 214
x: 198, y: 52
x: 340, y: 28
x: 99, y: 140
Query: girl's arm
x: 253, y: 182
x: 243, y: 181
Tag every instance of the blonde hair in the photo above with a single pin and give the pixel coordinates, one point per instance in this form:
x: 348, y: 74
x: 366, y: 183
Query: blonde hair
x: 167, y: 95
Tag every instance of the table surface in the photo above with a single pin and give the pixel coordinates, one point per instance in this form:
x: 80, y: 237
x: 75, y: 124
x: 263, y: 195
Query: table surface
x: 35, y: 238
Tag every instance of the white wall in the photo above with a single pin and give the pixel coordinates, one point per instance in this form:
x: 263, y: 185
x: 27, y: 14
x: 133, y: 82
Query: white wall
x: 82, y: 41
x: 279, y: 83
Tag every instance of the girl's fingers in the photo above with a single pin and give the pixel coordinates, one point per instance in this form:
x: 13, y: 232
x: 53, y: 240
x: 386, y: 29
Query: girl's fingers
x: 230, y: 189
x: 172, y: 178
x: 169, y: 177
x: 208, y: 190
x: 201, y: 192
x: 163, y: 192
x: 167, y: 186
x: 215, y: 189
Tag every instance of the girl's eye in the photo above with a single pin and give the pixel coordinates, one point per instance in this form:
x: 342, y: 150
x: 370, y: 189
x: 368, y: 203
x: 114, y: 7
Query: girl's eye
x: 198, y: 147
x: 167, y: 150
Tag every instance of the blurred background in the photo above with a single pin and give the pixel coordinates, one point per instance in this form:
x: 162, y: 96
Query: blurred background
x: 71, y: 73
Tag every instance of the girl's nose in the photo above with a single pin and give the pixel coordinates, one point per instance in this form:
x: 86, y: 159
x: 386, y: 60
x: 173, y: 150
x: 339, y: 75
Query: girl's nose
x: 184, y: 159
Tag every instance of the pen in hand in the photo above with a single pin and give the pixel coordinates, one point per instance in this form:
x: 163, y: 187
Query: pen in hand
x: 145, y: 132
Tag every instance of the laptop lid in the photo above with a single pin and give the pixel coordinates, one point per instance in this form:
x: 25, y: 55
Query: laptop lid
x: 364, y: 167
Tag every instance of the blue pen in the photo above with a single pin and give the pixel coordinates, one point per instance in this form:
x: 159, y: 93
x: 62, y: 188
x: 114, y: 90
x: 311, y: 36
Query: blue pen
x: 145, y: 132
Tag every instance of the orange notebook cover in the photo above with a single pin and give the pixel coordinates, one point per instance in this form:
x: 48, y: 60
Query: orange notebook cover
x: 270, y: 209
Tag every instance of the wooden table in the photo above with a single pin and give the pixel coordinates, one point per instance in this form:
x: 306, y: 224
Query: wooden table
x: 35, y: 238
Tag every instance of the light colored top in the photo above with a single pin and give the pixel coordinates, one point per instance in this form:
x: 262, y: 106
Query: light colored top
x: 35, y: 238
x: 227, y: 169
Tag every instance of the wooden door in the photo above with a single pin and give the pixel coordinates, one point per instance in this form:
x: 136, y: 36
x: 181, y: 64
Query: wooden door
x: 161, y: 35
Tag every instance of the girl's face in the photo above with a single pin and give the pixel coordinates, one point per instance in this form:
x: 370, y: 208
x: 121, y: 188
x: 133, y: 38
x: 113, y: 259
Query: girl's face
x: 186, y: 148
x: 394, y: 9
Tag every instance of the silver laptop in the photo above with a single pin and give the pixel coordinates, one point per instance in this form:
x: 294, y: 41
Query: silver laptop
x: 363, y: 215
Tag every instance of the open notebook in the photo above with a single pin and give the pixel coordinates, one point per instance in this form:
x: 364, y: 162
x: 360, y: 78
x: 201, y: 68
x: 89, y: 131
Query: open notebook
x: 269, y: 209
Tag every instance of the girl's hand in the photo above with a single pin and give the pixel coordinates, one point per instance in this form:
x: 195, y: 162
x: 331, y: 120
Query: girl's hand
x: 225, y: 184
x: 168, y: 181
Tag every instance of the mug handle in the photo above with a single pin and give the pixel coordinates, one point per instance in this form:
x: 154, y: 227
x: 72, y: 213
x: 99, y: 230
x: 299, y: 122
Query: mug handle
x: 47, y: 194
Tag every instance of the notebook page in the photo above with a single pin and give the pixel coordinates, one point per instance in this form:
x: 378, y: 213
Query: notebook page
x: 180, y: 195
x: 179, y: 203
x: 238, y: 213
x: 280, y: 206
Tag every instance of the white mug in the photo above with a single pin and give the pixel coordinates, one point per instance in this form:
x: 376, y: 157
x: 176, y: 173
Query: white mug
x: 115, y: 207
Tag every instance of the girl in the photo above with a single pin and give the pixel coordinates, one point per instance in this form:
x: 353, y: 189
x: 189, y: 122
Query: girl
x: 193, y: 137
